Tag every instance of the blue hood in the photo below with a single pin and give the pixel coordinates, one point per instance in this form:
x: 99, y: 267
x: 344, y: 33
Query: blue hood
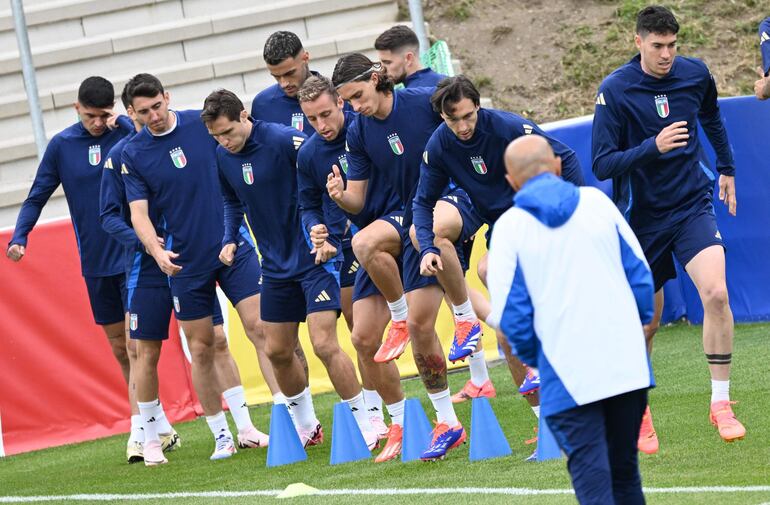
x: 551, y: 200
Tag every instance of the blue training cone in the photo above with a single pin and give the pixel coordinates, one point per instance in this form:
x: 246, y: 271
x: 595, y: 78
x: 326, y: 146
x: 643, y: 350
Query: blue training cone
x: 416, y: 436
x: 547, y: 448
x: 348, y: 443
x: 285, y: 446
x: 487, y: 438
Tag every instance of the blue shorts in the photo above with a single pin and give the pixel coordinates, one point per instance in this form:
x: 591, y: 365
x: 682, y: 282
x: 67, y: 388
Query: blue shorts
x: 290, y: 301
x: 350, y: 264
x: 194, y: 296
x: 364, y: 286
x: 410, y: 257
x: 471, y: 224
x: 150, y: 312
x: 683, y: 240
x: 108, y: 298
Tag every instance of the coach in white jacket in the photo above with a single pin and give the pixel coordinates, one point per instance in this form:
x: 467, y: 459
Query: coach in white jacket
x: 570, y: 290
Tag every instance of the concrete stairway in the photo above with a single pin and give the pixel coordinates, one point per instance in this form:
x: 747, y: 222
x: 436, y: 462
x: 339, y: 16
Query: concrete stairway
x: 193, y: 46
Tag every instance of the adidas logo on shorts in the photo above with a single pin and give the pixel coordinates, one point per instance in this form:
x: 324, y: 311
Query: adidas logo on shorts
x: 353, y: 267
x: 322, y: 297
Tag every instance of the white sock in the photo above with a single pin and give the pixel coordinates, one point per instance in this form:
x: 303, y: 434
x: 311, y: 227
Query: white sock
x: 150, y: 411
x: 478, y: 366
x: 373, y: 402
x: 218, y: 425
x: 235, y: 398
x: 536, y: 410
x: 464, y: 311
x: 720, y: 391
x: 445, y: 411
x: 398, y: 309
x: 396, y: 411
x: 358, y: 408
x: 163, y: 425
x: 279, y: 399
x: 137, y: 431
x: 301, y: 406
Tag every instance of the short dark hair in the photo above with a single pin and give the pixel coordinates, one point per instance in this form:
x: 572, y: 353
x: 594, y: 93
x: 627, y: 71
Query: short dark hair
x: 397, y: 38
x: 656, y: 19
x: 146, y: 85
x: 96, y: 92
x: 315, y: 86
x: 357, y: 67
x: 450, y: 91
x: 221, y: 102
x: 281, y: 45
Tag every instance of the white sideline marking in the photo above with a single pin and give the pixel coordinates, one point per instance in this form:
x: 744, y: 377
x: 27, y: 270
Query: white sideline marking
x: 510, y: 491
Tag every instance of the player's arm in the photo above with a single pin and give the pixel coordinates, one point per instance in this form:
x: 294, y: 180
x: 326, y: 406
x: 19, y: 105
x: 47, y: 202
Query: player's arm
x: 711, y: 121
x: 512, y: 310
x: 233, y: 219
x: 111, y: 205
x: 634, y: 263
x: 315, y: 213
x: 45, y: 183
x: 138, y: 194
x: 608, y: 160
x: 433, y: 180
x: 351, y: 197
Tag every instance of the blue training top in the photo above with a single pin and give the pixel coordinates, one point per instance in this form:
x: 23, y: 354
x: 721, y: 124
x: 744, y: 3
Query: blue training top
x: 73, y: 159
x: 654, y: 190
x: 177, y: 172
x: 262, y: 180
x: 314, y: 163
x: 394, y: 146
x: 423, y: 78
x: 477, y: 166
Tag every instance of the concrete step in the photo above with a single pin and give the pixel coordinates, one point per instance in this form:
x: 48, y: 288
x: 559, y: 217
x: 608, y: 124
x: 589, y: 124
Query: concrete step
x: 196, y: 38
x: 188, y: 84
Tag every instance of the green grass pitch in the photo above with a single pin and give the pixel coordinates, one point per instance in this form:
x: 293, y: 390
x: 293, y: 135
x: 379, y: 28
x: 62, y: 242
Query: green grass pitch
x: 691, y: 454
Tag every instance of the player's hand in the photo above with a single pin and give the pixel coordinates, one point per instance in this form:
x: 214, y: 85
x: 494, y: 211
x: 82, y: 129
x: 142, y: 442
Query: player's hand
x: 727, y: 193
x: 672, y: 136
x: 161, y: 242
x: 318, y: 235
x: 227, y: 254
x: 167, y: 266
x: 15, y: 252
x: 335, y: 186
x: 430, y: 264
x: 112, y: 121
x: 324, y: 253
x: 762, y: 85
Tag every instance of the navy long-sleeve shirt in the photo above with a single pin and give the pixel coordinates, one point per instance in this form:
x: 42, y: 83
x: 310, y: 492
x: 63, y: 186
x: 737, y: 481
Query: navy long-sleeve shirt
x: 477, y: 166
x: 314, y: 163
x: 423, y: 78
x: 73, y: 159
x: 177, y: 172
x: 764, y: 44
x: 394, y: 146
x: 652, y: 189
x: 261, y: 180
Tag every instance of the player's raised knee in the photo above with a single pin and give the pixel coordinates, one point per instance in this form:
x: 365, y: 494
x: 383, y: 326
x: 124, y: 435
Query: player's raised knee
x: 364, y: 246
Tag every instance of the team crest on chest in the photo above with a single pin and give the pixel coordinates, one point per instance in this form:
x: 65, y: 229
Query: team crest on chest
x: 343, y: 159
x: 478, y: 165
x: 178, y: 157
x: 395, y: 144
x: 298, y: 121
x: 94, y: 155
x: 661, y: 105
x: 134, y: 322
x: 248, y: 173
